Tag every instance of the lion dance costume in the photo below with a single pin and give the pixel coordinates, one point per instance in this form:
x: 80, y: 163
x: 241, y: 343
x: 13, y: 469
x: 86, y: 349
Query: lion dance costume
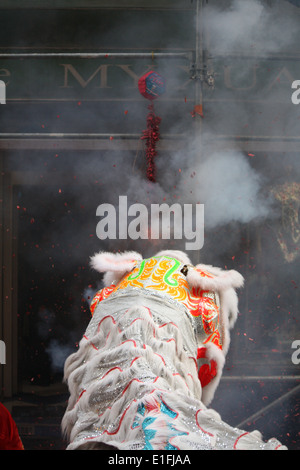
x: 152, y: 356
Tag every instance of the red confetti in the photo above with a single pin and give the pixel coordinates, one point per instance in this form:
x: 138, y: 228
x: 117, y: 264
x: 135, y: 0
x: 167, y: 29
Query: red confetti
x: 198, y: 109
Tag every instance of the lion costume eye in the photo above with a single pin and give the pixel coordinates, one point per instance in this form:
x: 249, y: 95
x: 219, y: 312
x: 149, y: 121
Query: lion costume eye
x: 184, y: 270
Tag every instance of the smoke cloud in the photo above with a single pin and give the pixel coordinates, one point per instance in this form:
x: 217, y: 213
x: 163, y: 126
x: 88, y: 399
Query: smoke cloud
x: 229, y: 188
x: 58, y: 353
x: 251, y: 27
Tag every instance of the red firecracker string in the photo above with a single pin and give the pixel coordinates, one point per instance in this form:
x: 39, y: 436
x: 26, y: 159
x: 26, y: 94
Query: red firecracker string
x: 152, y: 135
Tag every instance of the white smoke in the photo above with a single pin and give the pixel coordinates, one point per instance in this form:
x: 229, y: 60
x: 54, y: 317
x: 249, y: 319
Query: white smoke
x: 250, y: 26
x: 58, y: 353
x: 229, y: 188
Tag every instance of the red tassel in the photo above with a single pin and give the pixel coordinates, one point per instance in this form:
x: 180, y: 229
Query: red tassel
x: 152, y: 135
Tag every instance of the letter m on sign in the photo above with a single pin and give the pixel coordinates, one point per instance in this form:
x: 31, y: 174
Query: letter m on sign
x: 70, y: 70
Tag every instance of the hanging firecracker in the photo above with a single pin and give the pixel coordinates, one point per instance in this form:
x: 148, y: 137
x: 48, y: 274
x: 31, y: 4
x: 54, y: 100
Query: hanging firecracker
x: 151, y: 86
